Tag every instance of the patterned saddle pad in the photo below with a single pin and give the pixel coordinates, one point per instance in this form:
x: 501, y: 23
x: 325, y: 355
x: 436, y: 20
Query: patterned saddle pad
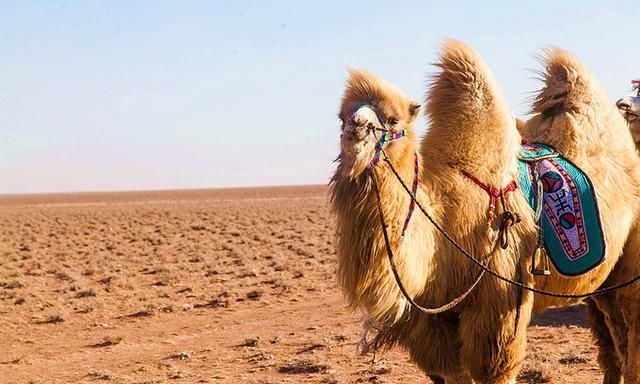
x: 571, y: 225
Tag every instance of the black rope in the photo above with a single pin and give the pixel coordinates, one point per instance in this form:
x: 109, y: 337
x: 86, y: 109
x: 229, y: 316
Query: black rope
x: 495, y: 274
x: 387, y: 243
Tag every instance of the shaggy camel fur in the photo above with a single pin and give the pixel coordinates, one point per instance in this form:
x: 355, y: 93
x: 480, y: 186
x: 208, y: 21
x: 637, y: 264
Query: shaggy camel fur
x: 471, y: 130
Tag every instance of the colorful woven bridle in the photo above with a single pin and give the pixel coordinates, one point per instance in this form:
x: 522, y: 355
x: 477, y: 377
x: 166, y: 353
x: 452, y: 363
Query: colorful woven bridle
x: 386, y: 137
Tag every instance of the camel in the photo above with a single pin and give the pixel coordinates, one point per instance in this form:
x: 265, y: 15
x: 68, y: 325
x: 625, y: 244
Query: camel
x: 596, y: 130
x: 472, y: 133
x: 613, y: 352
x: 630, y: 108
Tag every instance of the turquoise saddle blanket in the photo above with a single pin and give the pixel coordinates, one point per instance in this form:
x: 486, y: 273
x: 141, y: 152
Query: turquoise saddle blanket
x: 570, y: 219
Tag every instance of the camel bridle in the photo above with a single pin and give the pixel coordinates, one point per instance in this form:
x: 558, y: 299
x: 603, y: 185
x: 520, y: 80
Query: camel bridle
x: 386, y: 137
x: 508, y: 219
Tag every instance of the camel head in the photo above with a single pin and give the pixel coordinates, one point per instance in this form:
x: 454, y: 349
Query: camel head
x: 372, y: 107
x: 630, y: 108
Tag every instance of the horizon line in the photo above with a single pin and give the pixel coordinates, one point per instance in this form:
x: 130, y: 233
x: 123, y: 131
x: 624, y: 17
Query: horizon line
x: 93, y: 192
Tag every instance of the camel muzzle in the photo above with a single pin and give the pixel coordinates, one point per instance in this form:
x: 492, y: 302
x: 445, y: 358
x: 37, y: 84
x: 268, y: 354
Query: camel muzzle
x: 630, y: 107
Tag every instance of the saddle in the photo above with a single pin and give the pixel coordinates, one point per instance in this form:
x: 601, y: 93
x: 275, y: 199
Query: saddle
x: 566, y: 207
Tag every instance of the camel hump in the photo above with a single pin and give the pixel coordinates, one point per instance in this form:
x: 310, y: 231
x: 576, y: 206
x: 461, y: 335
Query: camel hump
x: 572, y: 111
x: 569, y: 85
x: 465, y: 88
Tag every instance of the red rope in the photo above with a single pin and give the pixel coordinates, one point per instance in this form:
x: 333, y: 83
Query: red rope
x: 493, y: 193
x: 414, y: 191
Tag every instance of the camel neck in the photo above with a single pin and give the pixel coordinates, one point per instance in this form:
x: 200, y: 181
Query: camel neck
x: 363, y: 266
x: 405, y: 166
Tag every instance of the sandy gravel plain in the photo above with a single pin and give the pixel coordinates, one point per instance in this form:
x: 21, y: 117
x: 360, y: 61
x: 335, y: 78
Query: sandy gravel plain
x: 203, y: 286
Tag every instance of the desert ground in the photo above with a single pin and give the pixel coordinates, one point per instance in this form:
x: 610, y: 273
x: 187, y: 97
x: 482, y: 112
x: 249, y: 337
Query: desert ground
x: 204, y: 286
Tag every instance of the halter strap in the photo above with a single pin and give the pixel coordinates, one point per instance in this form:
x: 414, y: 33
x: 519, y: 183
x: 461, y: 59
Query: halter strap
x: 385, y: 138
x: 493, y: 193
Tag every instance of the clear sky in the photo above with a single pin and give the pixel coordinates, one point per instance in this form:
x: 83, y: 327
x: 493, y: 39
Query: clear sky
x: 123, y: 95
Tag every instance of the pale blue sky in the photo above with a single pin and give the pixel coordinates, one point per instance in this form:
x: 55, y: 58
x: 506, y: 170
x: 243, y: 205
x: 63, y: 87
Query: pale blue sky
x: 121, y: 95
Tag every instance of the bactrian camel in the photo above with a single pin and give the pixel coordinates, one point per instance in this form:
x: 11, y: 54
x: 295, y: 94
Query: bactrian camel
x: 473, y: 136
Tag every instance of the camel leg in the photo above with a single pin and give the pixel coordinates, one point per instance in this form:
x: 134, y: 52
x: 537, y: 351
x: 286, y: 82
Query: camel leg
x: 631, y: 313
x: 608, y: 357
x: 622, y: 308
x: 464, y: 378
x: 493, y: 346
x: 459, y: 379
x: 434, y: 346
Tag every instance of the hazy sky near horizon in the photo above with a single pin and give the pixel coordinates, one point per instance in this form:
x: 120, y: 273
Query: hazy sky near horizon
x: 123, y: 95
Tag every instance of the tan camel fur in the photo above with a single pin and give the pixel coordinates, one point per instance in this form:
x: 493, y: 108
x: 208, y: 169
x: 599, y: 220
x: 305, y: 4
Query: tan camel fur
x: 471, y: 130
x: 363, y: 269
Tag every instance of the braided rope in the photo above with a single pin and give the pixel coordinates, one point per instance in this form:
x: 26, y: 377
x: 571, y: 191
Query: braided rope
x: 394, y: 269
x: 495, y: 274
x: 414, y: 191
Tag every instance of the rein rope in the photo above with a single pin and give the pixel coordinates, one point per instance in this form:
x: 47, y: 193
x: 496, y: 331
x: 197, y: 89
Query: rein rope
x: 508, y: 219
x: 394, y: 269
x: 492, y: 272
x: 386, y: 137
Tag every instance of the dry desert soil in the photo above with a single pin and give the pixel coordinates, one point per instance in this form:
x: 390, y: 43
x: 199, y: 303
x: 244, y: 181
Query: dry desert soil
x: 204, y: 286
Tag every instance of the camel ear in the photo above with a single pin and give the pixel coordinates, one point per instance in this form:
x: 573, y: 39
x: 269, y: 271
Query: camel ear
x: 414, y: 108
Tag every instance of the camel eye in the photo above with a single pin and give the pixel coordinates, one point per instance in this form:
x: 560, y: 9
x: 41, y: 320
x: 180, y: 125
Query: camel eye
x: 392, y: 121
